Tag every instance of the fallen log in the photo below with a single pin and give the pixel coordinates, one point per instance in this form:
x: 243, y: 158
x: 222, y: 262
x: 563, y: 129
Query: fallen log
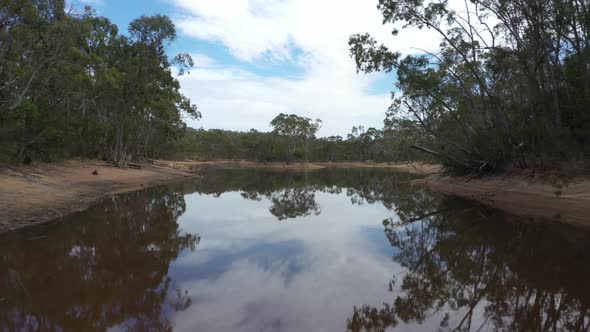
x: 134, y: 166
x: 440, y: 155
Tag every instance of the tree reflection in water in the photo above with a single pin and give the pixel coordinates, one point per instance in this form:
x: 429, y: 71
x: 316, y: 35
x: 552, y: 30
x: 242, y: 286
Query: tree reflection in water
x: 293, y: 203
x: 293, y: 195
x: 465, y: 268
x: 102, y: 268
x: 497, y: 274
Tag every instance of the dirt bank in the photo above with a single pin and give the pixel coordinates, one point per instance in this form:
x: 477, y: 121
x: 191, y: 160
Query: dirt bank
x: 31, y: 195
x: 414, y: 168
x: 545, y: 197
x: 274, y: 166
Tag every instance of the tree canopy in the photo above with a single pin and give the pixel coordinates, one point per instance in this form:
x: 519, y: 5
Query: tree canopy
x: 296, y: 128
x: 72, y: 85
x: 390, y: 144
x: 508, y: 85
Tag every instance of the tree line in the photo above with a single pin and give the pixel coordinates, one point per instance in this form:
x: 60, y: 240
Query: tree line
x: 293, y: 139
x: 509, y: 85
x: 72, y: 85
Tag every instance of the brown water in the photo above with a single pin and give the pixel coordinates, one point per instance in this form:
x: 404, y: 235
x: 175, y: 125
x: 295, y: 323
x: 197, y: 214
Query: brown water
x: 332, y: 250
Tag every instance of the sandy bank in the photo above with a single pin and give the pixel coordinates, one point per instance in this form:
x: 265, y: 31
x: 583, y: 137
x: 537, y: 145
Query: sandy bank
x: 542, y: 197
x: 31, y: 195
x: 414, y: 168
x: 275, y: 166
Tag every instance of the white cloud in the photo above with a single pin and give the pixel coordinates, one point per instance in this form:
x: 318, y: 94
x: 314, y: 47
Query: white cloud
x: 82, y: 3
x: 338, y: 265
x: 259, y: 31
x: 249, y: 297
x: 235, y: 99
x: 202, y: 60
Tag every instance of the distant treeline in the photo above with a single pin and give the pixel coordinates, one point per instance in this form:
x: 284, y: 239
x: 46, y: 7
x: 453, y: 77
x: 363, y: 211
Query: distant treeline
x: 72, y: 85
x: 379, y: 145
x: 508, y: 86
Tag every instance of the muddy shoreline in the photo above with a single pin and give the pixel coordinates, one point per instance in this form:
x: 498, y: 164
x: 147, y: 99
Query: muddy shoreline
x: 45, y: 193
x: 414, y: 168
x: 542, y: 198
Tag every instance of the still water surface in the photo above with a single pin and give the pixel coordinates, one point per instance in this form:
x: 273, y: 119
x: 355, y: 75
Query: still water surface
x: 330, y: 250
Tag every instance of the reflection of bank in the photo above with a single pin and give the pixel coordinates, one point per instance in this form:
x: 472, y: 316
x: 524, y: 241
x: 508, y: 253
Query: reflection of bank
x: 472, y: 268
x: 103, y: 267
x: 292, y: 194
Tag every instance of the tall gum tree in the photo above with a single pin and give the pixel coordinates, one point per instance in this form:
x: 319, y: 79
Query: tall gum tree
x: 499, y: 90
x: 296, y: 129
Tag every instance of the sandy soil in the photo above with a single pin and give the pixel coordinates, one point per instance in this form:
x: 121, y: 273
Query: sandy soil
x: 414, y: 168
x: 545, y: 197
x: 31, y: 195
x: 275, y: 166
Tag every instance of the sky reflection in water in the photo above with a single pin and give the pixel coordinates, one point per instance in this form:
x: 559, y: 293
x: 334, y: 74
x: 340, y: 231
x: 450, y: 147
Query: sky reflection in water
x: 300, y: 274
x: 332, y: 250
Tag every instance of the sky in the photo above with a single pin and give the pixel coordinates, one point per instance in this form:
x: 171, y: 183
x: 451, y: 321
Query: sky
x: 255, y: 59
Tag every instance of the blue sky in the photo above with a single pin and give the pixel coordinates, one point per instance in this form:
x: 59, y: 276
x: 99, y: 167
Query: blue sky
x: 258, y: 58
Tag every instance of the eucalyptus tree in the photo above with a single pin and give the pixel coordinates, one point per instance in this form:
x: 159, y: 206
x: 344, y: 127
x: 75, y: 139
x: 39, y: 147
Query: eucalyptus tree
x: 38, y: 66
x: 506, y: 83
x: 149, y: 101
x: 295, y: 129
x: 71, y: 85
x: 331, y: 149
x: 30, y: 42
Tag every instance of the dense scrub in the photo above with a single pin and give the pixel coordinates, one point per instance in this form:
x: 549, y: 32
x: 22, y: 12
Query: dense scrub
x: 72, y: 85
x: 294, y: 139
x: 387, y: 145
x: 508, y: 86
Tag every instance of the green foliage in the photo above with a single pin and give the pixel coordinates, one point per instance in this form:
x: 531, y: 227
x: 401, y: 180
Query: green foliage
x: 509, y: 85
x: 71, y: 85
x: 296, y: 130
x: 388, y: 145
